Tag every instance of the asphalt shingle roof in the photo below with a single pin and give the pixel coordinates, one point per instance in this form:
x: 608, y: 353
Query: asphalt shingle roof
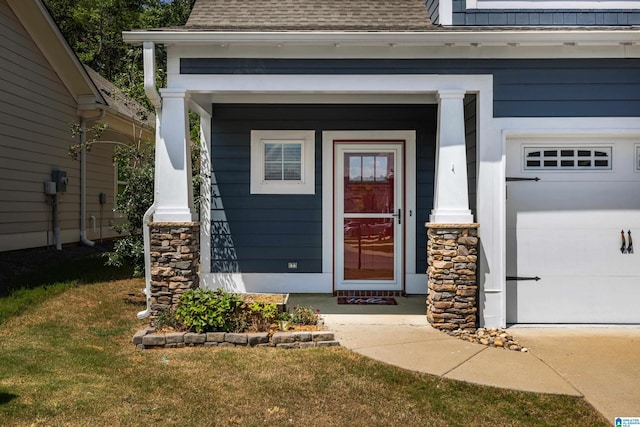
x: 118, y: 101
x: 309, y: 15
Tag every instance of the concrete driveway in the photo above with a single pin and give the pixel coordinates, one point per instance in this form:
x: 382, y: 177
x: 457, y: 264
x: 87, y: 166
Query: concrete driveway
x: 602, y: 364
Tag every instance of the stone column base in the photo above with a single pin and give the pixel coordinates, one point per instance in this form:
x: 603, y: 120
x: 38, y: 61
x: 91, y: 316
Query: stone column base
x: 175, y: 262
x: 452, y: 257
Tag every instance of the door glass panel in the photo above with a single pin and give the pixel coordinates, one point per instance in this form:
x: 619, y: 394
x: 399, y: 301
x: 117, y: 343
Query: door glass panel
x: 368, y: 183
x: 369, y: 248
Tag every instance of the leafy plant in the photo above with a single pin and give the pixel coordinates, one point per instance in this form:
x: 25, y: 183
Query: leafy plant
x: 167, y: 319
x: 302, y: 315
x: 260, y: 315
x: 203, y: 310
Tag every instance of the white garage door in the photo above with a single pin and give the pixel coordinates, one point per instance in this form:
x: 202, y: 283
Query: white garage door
x: 565, y: 229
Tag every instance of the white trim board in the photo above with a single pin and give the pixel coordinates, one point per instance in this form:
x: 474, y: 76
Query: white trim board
x: 575, y: 46
x: 279, y: 39
x: 327, y: 190
x: 317, y: 283
x: 543, y: 5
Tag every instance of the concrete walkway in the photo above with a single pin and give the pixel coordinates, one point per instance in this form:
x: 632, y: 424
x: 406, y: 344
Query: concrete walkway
x: 601, y: 364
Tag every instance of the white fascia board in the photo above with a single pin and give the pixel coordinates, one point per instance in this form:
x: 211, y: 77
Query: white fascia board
x: 344, y: 51
x: 533, y: 37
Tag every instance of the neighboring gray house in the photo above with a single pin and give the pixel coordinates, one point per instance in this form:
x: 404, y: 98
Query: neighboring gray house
x: 335, y: 130
x: 44, y: 89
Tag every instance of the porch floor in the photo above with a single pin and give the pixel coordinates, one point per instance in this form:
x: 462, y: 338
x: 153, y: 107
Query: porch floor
x: 410, y: 310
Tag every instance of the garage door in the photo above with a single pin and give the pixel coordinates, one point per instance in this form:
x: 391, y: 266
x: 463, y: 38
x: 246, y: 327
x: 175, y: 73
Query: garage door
x: 570, y: 201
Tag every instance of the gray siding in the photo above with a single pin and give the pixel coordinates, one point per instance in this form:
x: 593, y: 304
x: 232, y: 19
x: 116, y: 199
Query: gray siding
x: 35, y: 114
x: 261, y: 233
x: 522, y: 87
x: 539, y: 17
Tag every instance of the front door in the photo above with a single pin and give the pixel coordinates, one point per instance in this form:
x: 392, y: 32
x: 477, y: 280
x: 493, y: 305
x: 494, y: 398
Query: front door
x: 368, y: 215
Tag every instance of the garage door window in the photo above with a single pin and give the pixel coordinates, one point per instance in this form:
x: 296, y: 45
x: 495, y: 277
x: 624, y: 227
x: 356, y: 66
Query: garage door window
x: 567, y: 158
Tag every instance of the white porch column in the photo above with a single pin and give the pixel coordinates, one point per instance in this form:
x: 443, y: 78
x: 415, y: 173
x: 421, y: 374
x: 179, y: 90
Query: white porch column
x: 173, y: 160
x: 451, y: 198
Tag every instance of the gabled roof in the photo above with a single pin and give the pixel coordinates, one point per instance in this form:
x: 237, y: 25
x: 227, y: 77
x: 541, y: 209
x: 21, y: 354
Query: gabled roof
x: 87, y: 87
x: 35, y: 18
x: 309, y: 15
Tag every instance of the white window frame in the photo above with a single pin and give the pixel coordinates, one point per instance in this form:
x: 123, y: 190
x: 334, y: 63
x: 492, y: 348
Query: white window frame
x: 306, y: 185
x: 558, y: 158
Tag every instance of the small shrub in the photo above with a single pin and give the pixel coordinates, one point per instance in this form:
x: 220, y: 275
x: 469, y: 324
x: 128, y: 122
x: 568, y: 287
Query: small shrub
x: 304, y: 315
x: 167, y: 319
x: 202, y: 310
x: 260, y: 316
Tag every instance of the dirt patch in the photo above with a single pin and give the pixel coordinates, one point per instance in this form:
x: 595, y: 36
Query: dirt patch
x: 264, y: 298
x: 16, y: 263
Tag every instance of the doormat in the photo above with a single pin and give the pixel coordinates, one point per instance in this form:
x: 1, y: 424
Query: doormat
x: 367, y: 300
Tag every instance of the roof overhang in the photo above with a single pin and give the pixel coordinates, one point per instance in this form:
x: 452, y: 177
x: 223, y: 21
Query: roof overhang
x: 449, y: 37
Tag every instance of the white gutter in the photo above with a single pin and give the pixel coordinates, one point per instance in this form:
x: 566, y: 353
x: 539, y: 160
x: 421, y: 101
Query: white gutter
x: 149, y: 59
x: 83, y: 173
x: 536, y: 36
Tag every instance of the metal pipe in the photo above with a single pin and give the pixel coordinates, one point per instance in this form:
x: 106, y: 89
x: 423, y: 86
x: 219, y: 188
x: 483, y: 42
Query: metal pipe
x: 149, y: 57
x: 83, y: 174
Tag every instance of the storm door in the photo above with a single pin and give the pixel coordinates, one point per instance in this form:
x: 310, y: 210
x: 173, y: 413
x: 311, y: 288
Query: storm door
x: 368, y: 216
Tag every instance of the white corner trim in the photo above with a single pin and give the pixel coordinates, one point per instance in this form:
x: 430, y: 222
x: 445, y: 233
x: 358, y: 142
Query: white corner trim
x: 445, y: 12
x: 205, y: 192
x: 553, y: 4
x: 306, y: 185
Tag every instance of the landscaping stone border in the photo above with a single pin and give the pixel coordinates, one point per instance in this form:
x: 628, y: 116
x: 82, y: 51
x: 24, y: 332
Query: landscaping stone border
x: 148, y: 339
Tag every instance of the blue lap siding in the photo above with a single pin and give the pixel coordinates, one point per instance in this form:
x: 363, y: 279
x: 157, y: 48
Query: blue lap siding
x: 522, y: 87
x: 541, y: 17
x: 262, y: 233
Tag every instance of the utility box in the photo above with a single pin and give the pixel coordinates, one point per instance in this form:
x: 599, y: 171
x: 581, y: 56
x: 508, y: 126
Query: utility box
x: 61, y: 180
x: 49, y: 188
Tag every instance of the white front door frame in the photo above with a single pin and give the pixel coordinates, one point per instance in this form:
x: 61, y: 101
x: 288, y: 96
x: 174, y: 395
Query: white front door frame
x: 413, y: 284
x: 342, y: 147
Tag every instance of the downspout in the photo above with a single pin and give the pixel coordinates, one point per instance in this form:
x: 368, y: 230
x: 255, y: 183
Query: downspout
x: 149, y: 57
x: 83, y: 174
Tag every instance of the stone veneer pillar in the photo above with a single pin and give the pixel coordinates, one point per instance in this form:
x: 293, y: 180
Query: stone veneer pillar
x: 452, y: 257
x: 175, y: 256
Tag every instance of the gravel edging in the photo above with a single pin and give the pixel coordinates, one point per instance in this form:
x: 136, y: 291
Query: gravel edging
x: 497, y: 338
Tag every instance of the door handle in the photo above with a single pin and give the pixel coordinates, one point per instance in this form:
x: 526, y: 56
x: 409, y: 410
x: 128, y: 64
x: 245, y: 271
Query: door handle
x: 399, y: 216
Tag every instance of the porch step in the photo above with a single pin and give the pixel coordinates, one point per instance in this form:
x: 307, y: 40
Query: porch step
x: 360, y: 293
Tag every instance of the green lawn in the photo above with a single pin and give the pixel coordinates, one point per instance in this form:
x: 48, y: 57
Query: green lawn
x: 68, y: 360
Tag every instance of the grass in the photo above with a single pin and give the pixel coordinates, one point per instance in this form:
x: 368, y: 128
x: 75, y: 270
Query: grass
x: 31, y: 289
x: 70, y: 361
